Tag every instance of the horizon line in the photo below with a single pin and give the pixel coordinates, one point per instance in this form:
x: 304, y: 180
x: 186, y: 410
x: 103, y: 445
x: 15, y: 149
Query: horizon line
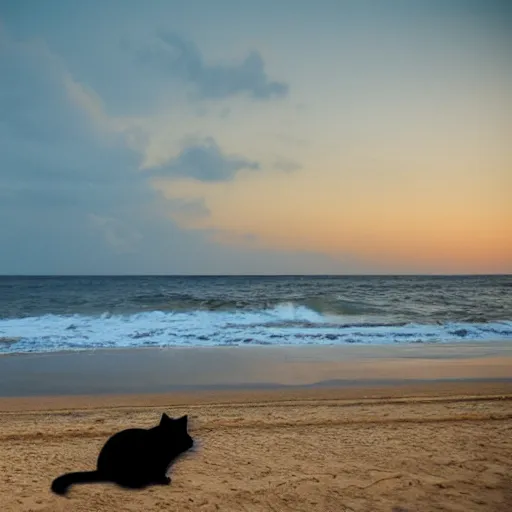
x: 267, y: 275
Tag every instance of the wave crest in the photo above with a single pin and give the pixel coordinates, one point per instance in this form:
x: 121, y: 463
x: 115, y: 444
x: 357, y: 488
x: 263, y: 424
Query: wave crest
x: 284, y: 323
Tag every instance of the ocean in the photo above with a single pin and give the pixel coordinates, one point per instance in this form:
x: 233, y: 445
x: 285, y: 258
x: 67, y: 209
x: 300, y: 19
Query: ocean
x: 46, y: 314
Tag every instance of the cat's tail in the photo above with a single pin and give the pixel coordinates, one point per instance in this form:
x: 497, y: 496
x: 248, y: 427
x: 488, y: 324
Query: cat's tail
x: 60, y: 485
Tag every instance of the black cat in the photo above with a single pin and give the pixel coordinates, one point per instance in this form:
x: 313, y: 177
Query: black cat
x: 135, y: 458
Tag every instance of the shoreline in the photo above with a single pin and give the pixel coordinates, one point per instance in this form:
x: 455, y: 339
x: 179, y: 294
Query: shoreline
x: 494, y: 343
x: 178, y: 369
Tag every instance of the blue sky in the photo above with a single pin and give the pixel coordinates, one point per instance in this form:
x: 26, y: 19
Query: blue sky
x: 255, y: 137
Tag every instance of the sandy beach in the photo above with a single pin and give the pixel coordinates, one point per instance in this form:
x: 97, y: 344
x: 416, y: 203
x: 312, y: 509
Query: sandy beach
x: 306, y: 442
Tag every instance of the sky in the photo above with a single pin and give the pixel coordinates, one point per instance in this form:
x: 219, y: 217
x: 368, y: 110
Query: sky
x: 255, y: 137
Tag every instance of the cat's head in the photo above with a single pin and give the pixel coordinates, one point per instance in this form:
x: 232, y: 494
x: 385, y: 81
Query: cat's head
x: 176, y: 429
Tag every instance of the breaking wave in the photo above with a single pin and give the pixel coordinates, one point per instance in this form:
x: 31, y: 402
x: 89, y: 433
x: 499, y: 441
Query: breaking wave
x: 228, y: 323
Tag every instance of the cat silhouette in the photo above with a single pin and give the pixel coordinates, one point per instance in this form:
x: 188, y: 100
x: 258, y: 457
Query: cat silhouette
x: 135, y: 458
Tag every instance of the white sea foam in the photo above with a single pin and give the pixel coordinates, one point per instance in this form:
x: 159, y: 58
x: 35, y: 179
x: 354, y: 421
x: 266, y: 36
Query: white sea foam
x: 282, y: 325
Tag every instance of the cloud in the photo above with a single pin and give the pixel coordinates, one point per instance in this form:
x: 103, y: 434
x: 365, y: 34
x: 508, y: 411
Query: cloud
x: 131, y: 130
x: 182, y: 58
x: 70, y: 201
x: 200, y: 159
x: 204, y: 161
x: 73, y: 201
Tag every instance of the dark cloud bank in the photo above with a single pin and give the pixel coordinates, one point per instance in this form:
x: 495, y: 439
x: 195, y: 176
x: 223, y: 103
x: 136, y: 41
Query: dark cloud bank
x: 73, y: 203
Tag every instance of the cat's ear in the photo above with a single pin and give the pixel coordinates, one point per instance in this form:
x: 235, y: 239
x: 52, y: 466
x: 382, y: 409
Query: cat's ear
x: 165, y: 420
x: 183, y: 421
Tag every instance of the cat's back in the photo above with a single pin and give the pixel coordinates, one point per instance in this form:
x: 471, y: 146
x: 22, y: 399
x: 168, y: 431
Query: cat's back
x: 128, y: 437
x: 126, y: 441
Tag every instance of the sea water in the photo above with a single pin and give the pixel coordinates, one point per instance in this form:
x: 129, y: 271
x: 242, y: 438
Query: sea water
x: 44, y: 314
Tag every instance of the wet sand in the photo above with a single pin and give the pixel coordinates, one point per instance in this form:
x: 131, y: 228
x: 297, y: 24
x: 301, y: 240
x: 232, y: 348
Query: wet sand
x: 152, y: 370
x: 284, y: 430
